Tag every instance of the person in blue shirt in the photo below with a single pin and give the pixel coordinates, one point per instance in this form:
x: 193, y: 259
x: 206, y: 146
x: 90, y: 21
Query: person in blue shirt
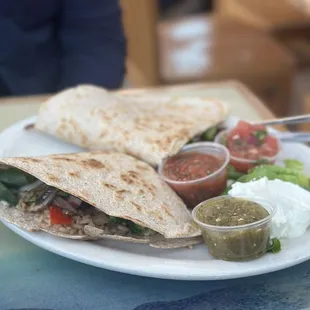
x: 49, y: 45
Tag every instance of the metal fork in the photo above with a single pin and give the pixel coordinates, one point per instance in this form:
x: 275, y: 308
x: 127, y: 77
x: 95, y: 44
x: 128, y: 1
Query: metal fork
x: 292, y: 136
x: 285, y: 120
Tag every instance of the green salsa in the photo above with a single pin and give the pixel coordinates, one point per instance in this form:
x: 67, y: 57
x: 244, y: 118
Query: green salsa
x: 225, y: 240
x: 231, y: 212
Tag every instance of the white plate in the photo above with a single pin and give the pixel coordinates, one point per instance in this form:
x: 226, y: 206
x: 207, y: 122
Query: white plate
x: 182, y: 264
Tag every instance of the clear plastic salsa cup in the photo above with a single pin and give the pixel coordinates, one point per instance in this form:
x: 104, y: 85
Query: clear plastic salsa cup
x: 197, y: 190
x: 237, y: 243
x: 242, y: 164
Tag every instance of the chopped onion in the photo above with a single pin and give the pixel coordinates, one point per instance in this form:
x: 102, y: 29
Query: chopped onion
x: 44, y: 199
x: 63, y: 204
x: 30, y: 187
x: 74, y: 201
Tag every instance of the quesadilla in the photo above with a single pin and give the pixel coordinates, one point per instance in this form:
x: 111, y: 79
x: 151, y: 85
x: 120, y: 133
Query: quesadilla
x: 147, y: 127
x: 94, y: 195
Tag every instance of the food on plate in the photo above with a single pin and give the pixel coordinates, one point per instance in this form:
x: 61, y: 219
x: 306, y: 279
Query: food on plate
x: 275, y: 246
x: 293, y: 204
x: 94, y: 195
x: 233, y: 174
x: 249, y: 145
x: 196, y: 173
x: 207, y: 136
x: 292, y: 172
x: 149, y: 127
x: 294, y: 164
x: 235, y: 229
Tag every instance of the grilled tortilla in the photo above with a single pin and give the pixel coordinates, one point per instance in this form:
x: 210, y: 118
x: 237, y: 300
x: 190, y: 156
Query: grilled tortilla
x: 123, y: 199
x: 148, y: 127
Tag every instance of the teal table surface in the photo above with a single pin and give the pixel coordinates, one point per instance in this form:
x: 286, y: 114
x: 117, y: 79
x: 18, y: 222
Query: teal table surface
x: 32, y: 278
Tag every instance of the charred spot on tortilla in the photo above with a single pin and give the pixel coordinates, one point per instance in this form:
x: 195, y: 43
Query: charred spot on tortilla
x: 141, y: 192
x: 93, y: 163
x: 52, y: 177
x: 34, y: 160
x: 62, y: 158
x: 160, y: 217
x: 62, y: 127
x: 133, y: 174
x: 126, y: 134
x: 29, y: 126
x: 74, y: 124
x: 165, y: 208
x: 94, y: 152
x: 184, y: 133
x: 122, y: 191
x: 107, y: 185
x: 143, y: 167
x: 139, y: 208
x: 103, y: 115
x: 74, y: 174
x: 151, y: 188
x: 129, y: 152
x: 127, y: 179
x: 103, y: 134
x: 118, y: 196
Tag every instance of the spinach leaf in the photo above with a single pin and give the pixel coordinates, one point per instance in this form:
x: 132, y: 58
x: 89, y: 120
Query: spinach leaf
x: 133, y: 227
x: 14, y: 177
x: 233, y: 174
x: 6, y: 195
x: 209, y: 134
x: 136, y: 229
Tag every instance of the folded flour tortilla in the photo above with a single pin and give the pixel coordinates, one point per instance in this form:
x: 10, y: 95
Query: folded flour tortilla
x: 114, y: 186
x: 145, y: 126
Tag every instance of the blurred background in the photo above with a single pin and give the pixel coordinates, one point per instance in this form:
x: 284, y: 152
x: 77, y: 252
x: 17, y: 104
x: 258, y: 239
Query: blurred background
x: 264, y: 44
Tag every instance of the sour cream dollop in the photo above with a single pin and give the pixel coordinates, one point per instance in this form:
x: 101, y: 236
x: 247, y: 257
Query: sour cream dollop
x: 293, y: 204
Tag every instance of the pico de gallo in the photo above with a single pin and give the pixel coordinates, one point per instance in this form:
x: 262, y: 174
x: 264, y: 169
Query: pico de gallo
x: 196, y: 175
x: 250, y: 145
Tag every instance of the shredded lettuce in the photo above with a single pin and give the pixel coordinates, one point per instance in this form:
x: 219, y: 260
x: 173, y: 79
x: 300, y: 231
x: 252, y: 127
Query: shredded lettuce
x: 294, y: 164
x: 292, y: 172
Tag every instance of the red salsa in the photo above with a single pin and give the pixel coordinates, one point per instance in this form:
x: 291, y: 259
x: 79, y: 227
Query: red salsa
x: 183, y: 169
x: 253, y: 143
x: 191, y: 166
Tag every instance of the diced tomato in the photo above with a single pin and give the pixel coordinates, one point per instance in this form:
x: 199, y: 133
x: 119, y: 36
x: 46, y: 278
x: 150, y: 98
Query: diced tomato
x: 272, y: 143
x: 240, y: 166
x: 244, y: 127
x: 57, y: 217
x: 250, y: 142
